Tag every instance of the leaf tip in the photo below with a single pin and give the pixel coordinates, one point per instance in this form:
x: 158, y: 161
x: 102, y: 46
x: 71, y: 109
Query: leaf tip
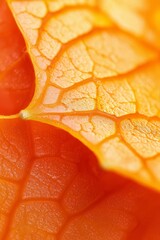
x: 24, y: 114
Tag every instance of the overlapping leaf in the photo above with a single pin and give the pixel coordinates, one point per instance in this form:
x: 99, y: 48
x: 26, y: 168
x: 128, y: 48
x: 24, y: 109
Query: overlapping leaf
x: 50, y: 184
x: 16, y: 71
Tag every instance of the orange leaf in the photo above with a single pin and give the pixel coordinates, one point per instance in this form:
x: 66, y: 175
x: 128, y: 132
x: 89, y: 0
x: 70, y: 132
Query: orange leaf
x: 95, y: 81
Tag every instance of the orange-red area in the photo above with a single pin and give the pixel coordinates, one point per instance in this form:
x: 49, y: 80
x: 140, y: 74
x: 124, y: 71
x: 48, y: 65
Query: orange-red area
x: 51, y: 187
x: 16, y: 71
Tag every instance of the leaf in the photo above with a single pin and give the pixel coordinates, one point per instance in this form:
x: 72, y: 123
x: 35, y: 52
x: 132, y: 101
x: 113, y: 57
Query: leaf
x: 16, y: 71
x: 50, y: 184
x: 95, y: 81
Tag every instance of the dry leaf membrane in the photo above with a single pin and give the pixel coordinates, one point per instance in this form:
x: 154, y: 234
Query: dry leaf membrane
x: 97, y: 82
x: 51, y: 186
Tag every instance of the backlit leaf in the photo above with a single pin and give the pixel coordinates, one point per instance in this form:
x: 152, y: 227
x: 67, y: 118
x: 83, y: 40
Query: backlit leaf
x: 96, y: 81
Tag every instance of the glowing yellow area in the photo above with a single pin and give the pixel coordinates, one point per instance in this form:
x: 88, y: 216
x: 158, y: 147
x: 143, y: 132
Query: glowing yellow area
x: 139, y: 17
x: 95, y: 81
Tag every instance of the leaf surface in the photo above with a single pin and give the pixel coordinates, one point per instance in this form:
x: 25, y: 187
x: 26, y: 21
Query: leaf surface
x: 95, y: 81
x: 51, y: 186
